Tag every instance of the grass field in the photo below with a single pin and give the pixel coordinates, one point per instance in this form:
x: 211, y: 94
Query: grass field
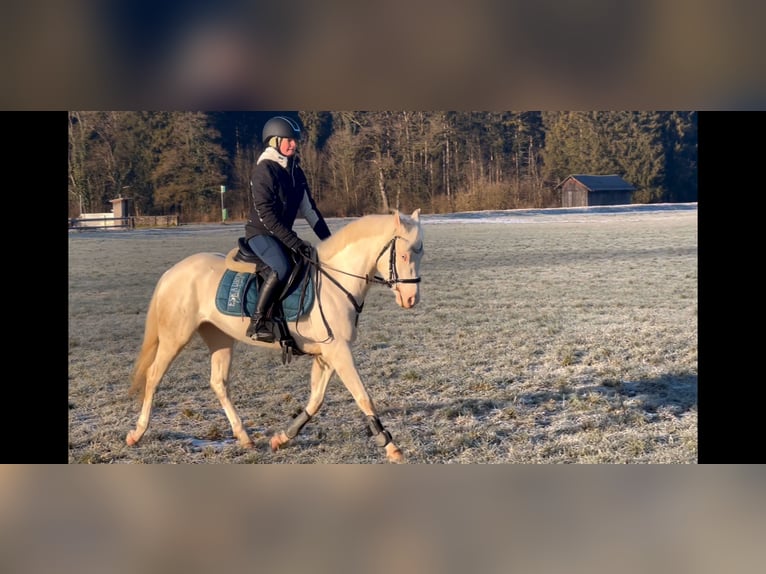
x: 557, y: 336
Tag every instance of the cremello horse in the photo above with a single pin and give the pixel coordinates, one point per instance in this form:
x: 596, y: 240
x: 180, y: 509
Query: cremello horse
x: 360, y: 254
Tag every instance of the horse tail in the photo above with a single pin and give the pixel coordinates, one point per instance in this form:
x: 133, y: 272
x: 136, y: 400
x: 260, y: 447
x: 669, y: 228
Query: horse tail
x: 148, y: 351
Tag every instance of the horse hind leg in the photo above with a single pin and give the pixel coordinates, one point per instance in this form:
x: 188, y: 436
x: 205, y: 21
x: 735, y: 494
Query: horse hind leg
x: 321, y: 372
x: 221, y: 350
x: 159, y: 349
x: 164, y: 356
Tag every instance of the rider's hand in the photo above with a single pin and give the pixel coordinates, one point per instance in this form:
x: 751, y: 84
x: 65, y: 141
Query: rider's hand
x: 305, y: 249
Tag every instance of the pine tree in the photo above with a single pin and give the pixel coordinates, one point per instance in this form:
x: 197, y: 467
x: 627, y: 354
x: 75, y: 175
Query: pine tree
x: 190, y: 165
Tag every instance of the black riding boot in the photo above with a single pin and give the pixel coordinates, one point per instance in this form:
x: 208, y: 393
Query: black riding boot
x: 259, y: 330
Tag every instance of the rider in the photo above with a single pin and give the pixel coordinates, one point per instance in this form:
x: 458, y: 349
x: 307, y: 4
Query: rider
x: 280, y: 192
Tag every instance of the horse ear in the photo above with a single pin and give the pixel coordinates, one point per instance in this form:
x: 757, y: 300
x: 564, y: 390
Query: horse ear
x: 416, y: 214
x: 397, y: 218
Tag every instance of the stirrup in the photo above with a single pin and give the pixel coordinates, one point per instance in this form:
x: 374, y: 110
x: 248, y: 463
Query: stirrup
x: 286, y: 341
x: 289, y: 350
x: 263, y: 336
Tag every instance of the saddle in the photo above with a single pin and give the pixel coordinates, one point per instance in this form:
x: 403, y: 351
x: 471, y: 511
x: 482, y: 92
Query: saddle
x: 242, y: 259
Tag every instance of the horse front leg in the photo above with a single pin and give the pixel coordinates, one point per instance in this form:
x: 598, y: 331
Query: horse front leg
x: 321, y: 372
x: 221, y: 348
x: 344, y: 365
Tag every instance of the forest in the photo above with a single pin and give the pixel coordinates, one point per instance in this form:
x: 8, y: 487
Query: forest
x: 361, y: 162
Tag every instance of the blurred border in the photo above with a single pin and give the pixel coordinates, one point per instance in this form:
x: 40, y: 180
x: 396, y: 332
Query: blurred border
x: 574, y: 519
x: 233, y: 54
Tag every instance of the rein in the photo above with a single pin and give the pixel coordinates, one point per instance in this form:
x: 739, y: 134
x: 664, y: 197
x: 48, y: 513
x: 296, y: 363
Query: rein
x: 393, y: 279
x: 392, y: 273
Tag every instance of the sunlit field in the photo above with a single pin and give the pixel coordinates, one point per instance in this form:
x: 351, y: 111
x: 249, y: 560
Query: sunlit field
x: 550, y: 336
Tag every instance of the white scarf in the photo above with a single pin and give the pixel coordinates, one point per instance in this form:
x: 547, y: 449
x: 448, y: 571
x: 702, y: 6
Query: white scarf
x: 272, y: 154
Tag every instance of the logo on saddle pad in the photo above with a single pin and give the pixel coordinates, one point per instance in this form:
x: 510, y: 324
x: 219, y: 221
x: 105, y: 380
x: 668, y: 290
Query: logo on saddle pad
x: 237, y: 295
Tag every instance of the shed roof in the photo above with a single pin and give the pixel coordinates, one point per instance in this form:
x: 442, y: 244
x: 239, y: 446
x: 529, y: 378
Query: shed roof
x: 600, y: 182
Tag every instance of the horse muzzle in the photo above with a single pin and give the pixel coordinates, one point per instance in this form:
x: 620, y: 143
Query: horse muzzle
x: 407, y: 297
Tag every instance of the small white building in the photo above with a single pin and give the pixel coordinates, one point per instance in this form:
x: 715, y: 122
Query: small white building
x: 118, y: 217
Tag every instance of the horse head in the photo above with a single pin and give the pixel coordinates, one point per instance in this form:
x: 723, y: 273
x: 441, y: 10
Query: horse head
x: 406, y: 251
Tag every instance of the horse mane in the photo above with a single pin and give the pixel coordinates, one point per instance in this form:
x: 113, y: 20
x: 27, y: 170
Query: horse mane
x: 367, y: 226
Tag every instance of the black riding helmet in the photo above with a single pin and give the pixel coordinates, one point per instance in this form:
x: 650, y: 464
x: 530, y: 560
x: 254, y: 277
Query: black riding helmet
x: 281, y: 127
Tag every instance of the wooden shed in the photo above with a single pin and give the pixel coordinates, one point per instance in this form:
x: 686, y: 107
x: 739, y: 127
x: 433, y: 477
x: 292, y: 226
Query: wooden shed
x: 587, y: 190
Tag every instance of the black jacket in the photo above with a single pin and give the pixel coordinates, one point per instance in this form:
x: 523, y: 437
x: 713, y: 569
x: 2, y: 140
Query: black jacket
x: 281, y: 193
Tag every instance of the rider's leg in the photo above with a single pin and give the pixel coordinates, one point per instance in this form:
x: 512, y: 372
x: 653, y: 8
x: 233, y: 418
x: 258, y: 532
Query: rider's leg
x: 273, y: 254
x: 259, y: 328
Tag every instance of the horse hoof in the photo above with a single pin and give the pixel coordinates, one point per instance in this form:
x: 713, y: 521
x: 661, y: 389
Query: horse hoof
x: 277, y: 441
x: 394, y: 454
x: 247, y: 443
x: 130, y: 440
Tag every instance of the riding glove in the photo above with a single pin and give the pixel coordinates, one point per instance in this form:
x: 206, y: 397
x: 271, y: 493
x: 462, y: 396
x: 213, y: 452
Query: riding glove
x: 305, y: 249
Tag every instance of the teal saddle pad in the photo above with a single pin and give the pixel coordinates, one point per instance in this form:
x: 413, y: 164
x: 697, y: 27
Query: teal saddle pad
x: 235, y: 288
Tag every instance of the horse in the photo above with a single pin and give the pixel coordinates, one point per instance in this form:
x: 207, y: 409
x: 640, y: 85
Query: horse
x: 352, y: 259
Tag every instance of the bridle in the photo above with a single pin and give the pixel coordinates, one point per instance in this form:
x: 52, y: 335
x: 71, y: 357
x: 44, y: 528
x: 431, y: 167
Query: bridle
x: 393, y: 278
